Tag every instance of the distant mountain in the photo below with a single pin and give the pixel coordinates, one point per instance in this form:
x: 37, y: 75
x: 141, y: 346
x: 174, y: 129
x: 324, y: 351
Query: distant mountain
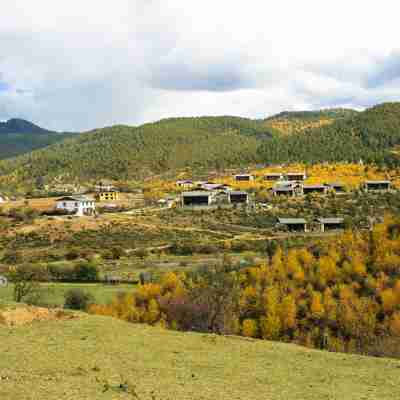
x: 18, y: 136
x: 290, y: 122
x: 123, y: 152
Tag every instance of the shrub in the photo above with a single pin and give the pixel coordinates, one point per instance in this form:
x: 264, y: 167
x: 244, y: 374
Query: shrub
x: 77, y: 299
x: 86, y: 271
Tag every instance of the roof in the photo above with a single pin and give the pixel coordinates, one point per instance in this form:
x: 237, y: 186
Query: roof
x: 76, y: 198
x: 283, y: 188
x: 292, y: 221
x: 273, y: 174
x: 330, y: 220
x: 196, y: 193
x: 212, y: 186
x: 184, y: 181
x: 249, y: 175
x: 295, y: 173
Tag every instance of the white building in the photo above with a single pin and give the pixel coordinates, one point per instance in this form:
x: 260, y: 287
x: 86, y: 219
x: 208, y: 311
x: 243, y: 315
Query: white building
x: 78, y: 205
x: 3, y: 199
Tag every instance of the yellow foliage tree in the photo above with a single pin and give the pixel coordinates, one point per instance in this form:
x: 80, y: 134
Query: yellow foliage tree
x: 249, y: 328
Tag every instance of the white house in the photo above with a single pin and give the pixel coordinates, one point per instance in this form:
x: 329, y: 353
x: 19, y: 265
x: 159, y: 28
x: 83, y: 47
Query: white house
x: 3, y: 199
x: 78, y: 205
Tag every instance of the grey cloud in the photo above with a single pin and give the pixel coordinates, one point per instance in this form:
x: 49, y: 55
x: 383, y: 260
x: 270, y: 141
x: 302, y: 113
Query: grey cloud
x: 193, y: 76
x: 385, y: 71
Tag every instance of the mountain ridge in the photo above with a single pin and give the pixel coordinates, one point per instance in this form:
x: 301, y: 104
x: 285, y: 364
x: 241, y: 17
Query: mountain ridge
x: 122, y: 152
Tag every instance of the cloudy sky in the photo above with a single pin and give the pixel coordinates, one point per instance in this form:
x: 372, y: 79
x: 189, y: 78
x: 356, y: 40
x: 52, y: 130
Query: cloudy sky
x: 81, y: 64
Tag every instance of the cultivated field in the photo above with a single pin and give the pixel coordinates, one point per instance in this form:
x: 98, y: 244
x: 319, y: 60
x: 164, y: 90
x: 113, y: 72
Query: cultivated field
x: 103, y: 358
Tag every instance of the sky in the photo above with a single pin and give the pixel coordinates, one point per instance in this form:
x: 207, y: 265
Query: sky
x: 82, y: 64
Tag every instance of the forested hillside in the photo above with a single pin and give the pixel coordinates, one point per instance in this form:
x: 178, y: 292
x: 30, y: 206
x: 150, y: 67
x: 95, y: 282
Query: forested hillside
x: 290, y: 122
x: 18, y: 136
x: 129, y: 153
x: 123, y: 152
x: 369, y: 135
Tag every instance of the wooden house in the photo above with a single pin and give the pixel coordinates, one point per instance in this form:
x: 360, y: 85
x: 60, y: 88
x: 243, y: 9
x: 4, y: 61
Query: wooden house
x: 238, y: 197
x: 293, y: 224
x: 296, y: 176
x: 273, y: 176
x: 377, y: 186
x: 330, y: 224
x: 286, y: 188
x: 197, y: 198
x: 314, y: 189
x: 244, y: 178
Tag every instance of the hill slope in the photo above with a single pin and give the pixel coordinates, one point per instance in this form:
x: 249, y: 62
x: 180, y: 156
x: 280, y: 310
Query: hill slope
x: 291, y: 122
x: 369, y: 135
x: 18, y: 136
x: 122, y: 152
x: 90, y: 357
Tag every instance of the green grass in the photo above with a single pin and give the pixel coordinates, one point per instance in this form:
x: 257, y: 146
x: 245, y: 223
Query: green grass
x: 74, y: 359
x: 53, y: 293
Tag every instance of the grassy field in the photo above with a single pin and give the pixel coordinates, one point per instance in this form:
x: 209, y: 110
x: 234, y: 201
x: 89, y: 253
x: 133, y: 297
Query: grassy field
x: 53, y: 293
x: 90, y: 357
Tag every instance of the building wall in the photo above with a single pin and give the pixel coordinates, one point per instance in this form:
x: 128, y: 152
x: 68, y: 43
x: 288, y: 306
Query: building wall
x: 195, y: 200
x: 77, y: 207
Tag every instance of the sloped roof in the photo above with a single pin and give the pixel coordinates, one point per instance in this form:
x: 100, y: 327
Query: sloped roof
x: 292, y: 221
x: 76, y: 198
x: 196, y: 193
x: 331, y: 220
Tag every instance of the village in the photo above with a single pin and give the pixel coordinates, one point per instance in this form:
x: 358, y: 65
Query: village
x: 239, y: 190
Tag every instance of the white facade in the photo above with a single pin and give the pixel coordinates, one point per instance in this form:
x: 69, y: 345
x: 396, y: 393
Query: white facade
x: 2, y: 199
x: 79, y: 205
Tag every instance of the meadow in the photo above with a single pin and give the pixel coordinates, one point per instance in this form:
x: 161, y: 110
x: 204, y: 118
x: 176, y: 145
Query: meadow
x: 53, y: 293
x: 95, y: 357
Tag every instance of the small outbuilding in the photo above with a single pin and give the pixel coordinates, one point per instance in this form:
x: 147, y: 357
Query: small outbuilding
x: 331, y: 224
x: 377, y: 186
x: 244, y: 178
x: 197, y: 198
x: 238, y: 197
x: 293, y: 224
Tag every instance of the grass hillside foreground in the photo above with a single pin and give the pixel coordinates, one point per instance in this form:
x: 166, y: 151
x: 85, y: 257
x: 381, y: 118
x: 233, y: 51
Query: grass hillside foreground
x: 93, y: 357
